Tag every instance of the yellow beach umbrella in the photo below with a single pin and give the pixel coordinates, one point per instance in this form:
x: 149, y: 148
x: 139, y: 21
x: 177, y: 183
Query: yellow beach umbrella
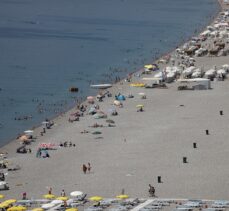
x: 96, y: 198
x: 2, y: 196
x: 149, y: 66
x: 71, y: 209
x: 3, y: 205
x: 122, y: 196
x: 17, y: 208
x: 38, y: 209
x: 10, y: 201
x: 63, y: 198
x: 49, y: 196
x: 139, y: 106
x: 137, y: 84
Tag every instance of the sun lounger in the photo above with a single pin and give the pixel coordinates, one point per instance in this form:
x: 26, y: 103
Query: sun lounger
x: 209, y: 209
x: 184, y: 209
x: 221, y: 202
x: 93, y: 209
x: 193, y: 204
x: 158, y: 206
x: 219, y: 206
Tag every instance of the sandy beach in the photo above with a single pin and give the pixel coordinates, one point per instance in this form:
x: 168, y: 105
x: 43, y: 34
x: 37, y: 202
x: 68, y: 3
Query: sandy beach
x: 141, y: 146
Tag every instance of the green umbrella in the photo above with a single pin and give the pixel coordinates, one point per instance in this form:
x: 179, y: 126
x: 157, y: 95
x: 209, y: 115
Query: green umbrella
x: 96, y: 132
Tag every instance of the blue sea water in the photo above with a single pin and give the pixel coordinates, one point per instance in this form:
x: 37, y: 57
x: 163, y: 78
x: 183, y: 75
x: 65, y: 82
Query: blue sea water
x: 47, y: 46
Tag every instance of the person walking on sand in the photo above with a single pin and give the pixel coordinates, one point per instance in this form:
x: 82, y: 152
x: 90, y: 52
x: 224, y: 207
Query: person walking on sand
x: 151, y: 190
x: 84, y: 169
x: 89, y: 167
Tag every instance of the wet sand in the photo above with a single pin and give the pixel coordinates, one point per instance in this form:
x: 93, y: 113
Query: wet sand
x: 142, y: 146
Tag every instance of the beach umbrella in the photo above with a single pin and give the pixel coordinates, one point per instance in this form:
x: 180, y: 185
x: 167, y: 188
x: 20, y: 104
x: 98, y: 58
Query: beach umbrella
x: 96, y: 132
x: 17, y: 208
x: 139, y: 106
x: 117, y: 103
x: 62, y: 198
x: 122, y: 196
x: 120, y: 97
x: 3, y: 205
x: 2, y: 196
x: 45, y: 123
x: 96, y: 198
x: 47, y: 206
x: 71, y: 209
x: 137, y: 84
x: 149, y: 66
x: 56, y: 201
x: 28, y: 131
x: 49, y: 196
x: 90, y: 98
x: 38, y: 209
x: 142, y: 94
x: 76, y: 193
x: 10, y: 201
x: 46, y: 145
x: 225, y: 66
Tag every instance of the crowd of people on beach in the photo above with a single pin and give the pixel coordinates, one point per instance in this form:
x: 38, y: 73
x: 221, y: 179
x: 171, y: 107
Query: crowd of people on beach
x: 82, y: 111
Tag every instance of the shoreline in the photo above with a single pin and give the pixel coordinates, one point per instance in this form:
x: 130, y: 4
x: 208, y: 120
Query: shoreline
x: 83, y: 154
x: 71, y: 108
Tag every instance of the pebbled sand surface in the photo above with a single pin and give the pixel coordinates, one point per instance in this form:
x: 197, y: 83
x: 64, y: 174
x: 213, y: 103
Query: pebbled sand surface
x: 156, y: 141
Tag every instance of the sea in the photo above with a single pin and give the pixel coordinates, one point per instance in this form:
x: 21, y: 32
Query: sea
x: 48, y: 46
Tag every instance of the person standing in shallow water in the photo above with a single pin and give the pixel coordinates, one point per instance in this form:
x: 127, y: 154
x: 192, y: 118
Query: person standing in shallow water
x: 84, y: 169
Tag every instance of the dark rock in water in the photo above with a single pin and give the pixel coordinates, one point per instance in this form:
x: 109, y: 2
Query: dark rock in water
x: 73, y: 89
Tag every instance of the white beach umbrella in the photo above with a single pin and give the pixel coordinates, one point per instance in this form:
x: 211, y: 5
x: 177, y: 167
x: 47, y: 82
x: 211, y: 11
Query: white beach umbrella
x: 56, y: 201
x: 28, y: 131
x: 47, y: 206
x: 44, y: 123
x: 225, y: 66
x: 76, y: 193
